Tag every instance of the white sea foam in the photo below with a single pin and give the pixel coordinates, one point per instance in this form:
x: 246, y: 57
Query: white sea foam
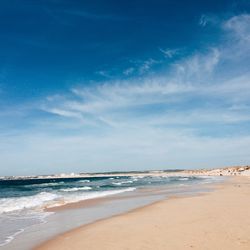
x: 72, y: 198
x: 97, y: 194
x: 183, y: 179
x: 19, y: 203
x: 83, y: 181
x: 117, y: 183
x: 15, y: 223
x: 9, y: 238
x: 46, y: 199
x: 182, y: 185
x: 49, y: 184
x: 206, y: 177
x: 74, y: 189
x: 122, y: 182
x: 138, y: 177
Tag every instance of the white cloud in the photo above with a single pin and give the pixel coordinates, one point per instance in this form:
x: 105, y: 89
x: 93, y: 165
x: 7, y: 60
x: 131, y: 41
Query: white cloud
x: 198, y: 66
x: 208, y: 19
x: 128, y: 71
x: 146, y: 65
x: 64, y: 113
x: 203, y: 21
x: 239, y: 26
x: 237, y: 45
x: 123, y: 94
x: 169, y: 53
x: 104, y: 73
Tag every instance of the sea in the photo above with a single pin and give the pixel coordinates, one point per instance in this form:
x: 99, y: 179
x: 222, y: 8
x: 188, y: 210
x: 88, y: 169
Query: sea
x: 23, y: 202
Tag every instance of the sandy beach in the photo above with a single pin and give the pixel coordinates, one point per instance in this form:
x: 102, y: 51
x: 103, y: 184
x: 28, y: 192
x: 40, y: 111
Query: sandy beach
x: 124, y: 125
x: 216, y: 220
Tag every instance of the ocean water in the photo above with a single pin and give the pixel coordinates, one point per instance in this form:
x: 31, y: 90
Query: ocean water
x: 22, y: 202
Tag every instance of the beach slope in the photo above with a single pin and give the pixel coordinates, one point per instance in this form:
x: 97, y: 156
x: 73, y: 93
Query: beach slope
x: 217, y: 220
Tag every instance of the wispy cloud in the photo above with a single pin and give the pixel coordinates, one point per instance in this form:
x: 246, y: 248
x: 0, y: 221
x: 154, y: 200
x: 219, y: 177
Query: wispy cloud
x: 198, y: 66
x: 128, y: 71
x: 62, y: 14
x: 169, y: 53
x: 203, y: 21
x: 239, y: 27
x: 208, y: 20
x: 146, y: 65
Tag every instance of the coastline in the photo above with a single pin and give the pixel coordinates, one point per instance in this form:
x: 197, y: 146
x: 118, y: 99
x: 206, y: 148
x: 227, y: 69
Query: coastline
x: 219, y: 171
x: 216, y: 220
x: 57, y: 220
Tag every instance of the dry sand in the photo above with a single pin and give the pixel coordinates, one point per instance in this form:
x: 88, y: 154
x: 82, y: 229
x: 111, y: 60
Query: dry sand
x: 217, y: 220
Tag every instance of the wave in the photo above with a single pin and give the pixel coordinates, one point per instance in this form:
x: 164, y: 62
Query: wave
x: 20, y: 203
x: 122, y: 182
x: 9, y: 238
x: 46, y: 199
x: 117, y: 183
x: 74, y: 189
x: 183, y: 179
x: 48, y: 184
x: 91, y: 195
x: 15, y: 223
x: 139, y: 177
x: 83, y: 181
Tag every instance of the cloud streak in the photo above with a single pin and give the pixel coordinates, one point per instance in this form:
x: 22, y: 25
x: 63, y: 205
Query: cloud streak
x: 169, y: 53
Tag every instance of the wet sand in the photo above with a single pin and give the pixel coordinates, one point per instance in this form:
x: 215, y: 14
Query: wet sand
x: 216, y: 220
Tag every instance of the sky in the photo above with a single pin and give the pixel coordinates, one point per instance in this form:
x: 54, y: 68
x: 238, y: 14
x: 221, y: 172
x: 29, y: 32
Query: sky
x: 92, y: 86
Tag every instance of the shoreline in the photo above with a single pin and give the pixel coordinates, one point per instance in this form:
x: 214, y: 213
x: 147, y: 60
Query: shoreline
x: 69, y: 216
x: 130, y: 220
x: 145, y: 192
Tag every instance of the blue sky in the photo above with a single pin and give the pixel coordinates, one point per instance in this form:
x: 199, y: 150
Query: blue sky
x: 91, y: 86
